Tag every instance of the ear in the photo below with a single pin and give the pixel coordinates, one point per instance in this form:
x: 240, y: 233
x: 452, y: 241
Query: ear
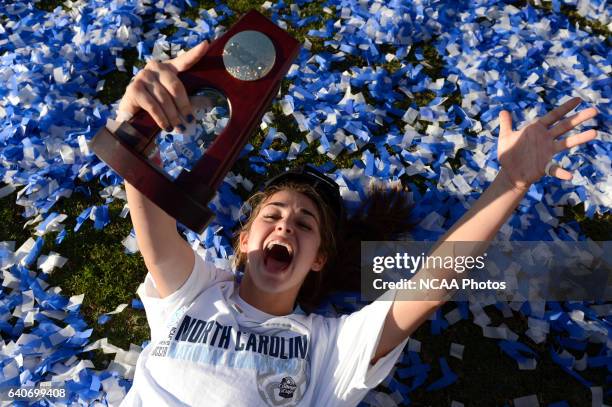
x: 244, y: 242
x: 319, y: 262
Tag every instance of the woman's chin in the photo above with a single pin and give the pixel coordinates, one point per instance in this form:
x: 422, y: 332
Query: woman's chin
x: 273, y: 281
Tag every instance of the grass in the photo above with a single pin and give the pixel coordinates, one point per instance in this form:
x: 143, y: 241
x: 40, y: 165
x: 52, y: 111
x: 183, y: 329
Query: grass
x: 99, y: 268
x: 489, y: 377
x: 599, y: 228
x: 570, y: 11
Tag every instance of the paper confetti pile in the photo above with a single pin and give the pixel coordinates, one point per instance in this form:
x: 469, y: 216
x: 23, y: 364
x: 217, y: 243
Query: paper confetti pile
x: 354, y: 85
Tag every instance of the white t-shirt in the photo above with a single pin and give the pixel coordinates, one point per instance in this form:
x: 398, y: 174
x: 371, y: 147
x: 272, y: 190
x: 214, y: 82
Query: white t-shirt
x: 209, y: 347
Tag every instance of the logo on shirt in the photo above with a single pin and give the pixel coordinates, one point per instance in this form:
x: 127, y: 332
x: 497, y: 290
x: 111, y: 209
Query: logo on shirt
x: 287, y: 387
x: 283, y: 383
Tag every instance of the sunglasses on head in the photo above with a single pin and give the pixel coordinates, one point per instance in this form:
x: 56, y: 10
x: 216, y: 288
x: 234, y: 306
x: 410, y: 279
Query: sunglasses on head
x: 324, y: 185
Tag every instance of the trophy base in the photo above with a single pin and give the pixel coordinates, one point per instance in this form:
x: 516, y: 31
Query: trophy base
x: 151, y: 182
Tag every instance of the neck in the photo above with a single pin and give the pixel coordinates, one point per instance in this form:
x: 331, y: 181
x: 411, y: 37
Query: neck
x: 271, y: 303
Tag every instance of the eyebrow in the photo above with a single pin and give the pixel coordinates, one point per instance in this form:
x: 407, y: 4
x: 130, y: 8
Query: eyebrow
x: 284, y: 205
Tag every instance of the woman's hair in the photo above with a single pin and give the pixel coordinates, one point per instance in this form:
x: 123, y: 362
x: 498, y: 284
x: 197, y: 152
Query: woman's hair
x: 383, y: 216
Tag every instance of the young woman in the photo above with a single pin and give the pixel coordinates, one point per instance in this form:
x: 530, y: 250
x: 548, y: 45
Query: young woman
x: 215, y: 342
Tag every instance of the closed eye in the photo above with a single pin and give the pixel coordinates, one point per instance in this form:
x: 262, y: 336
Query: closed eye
x: 305, y: 226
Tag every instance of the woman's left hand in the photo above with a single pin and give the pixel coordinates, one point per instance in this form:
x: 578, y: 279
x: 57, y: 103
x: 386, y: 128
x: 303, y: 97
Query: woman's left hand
x: 524, y: 154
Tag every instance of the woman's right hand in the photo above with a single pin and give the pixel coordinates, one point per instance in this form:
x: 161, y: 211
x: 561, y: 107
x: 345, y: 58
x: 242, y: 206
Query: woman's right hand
x: 158, y: 90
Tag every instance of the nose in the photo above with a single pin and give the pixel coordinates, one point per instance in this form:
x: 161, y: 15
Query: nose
x: 283, y: 225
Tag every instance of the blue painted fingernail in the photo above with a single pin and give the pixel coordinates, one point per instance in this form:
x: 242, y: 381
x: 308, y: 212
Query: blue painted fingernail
x: 181, y: 127
x: 169, y: 129
x: 190, y: 118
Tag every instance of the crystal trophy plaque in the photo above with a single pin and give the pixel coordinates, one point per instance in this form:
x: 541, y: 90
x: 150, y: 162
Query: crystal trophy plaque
x: 230, y: 89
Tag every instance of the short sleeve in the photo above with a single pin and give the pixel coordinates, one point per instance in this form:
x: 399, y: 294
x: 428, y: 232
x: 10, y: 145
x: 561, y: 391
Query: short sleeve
x: 160, y: 310
x: 353, y: 343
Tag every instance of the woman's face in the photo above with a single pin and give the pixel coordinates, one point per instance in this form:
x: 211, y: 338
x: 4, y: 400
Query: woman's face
x: 282, y: 245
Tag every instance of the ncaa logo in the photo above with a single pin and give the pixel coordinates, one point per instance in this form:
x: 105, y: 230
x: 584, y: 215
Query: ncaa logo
x: 287, y: 387
x: 284, y: 389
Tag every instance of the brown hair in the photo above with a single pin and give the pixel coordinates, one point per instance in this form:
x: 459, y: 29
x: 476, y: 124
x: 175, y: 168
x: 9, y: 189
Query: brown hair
x: 383, y: 216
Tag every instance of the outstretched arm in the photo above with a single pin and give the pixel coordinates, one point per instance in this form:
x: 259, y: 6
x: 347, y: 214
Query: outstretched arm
x: 158, y: 90
x: 523, y: 155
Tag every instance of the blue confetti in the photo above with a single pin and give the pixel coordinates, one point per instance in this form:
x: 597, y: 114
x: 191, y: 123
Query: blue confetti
x: 448, y: 377
x: 341, y: 107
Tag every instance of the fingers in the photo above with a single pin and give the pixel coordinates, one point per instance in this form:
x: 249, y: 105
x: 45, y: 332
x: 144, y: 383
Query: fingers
x: 505, y: 122
x: 566, y: 143
x: 568, y: 124
x: 165, y: 100
x: 560, y: 173
x: 178, y: 98
x: 148, y: 102
x: 575, y: 140
x: 189, y: 58
x: 558, y: 113
x: 159, y: 91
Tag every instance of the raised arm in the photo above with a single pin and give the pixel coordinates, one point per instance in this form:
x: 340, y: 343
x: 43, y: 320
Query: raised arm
x: 158, y: 90
x: 523, y: 155
x: 166, y: 254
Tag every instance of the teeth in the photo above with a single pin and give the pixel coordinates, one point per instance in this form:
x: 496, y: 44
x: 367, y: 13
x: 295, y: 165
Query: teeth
x: 285, y: 245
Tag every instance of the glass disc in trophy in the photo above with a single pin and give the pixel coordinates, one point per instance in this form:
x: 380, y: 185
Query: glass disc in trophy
x: 249, y: 55
x: 182, y: 150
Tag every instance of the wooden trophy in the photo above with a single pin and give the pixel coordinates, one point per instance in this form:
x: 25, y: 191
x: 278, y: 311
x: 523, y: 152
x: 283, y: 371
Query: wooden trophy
x: 246, y: 65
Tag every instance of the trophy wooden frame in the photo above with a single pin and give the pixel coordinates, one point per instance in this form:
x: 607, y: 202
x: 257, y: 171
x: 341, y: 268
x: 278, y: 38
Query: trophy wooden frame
x: 186, y: 197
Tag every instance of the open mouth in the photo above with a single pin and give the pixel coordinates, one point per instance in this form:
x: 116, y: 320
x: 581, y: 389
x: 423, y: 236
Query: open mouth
x: 277, y: 256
